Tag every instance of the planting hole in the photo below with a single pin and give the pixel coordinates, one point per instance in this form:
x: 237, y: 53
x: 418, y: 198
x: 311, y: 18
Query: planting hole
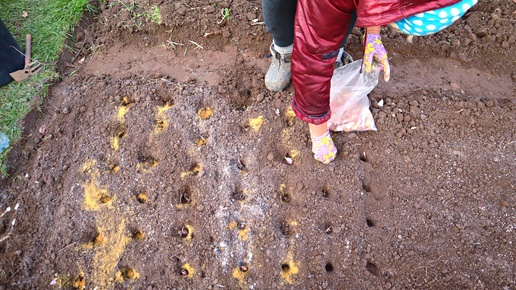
x: 184, y: 272
x: 285, y: 197
x: 98, y: 240
x: 161, y: 123
x: 138, y: 235
x: 244, y: 267
x: 366, y: 186
x: 285, y: 228
x: 120, y: 131
x: 372, y: 268
x: 105, y: 198
x: 285, y: 268
x: 142, y: 198
x: 238, y: 195
x: 240, y: 165
x: 328, y: 267
x: 183, y: 232
x: 185, y: 196
x: 363, y: 156
x: 328, y: 228
x: 370, y: 222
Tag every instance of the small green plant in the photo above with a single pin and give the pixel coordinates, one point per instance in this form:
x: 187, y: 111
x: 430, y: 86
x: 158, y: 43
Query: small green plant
x: 155, y: 15
x: 225, y: 14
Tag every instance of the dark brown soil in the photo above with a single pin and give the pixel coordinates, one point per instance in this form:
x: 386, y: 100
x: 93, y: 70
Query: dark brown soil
x: 161, y: 165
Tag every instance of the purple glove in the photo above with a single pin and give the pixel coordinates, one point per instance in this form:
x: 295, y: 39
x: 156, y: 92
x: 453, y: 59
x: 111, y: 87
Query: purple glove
x: 323, y: 148
x: 374, y: 49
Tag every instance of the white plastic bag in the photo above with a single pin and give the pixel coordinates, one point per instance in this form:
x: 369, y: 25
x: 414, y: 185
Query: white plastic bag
x: 348, y: 98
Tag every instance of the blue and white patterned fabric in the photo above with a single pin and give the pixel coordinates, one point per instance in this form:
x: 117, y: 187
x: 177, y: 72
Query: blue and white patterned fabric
x: 433, y: 21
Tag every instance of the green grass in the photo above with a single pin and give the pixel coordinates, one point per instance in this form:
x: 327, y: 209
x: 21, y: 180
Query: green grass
x: 50, y: 22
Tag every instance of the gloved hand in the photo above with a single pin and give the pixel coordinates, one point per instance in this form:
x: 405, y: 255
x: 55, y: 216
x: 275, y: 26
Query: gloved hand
x: 374, y: 49
x: 323, y: 148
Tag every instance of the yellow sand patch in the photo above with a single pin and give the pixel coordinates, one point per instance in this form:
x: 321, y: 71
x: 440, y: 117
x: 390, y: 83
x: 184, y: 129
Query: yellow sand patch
x: 195, y: 170
x: 162, y: 109
x: 205, y: 113
x: 290, y: 112
x: 146, y: 165
x: 115, y: 143
x: 107, y: 256
x: 161, y: 125
x: 88, y: 165
x: 115, y: 168
x: 93, y: 196
x: 201, y: 141
x: 294, y: 153
x: 185, y: 205
x: 233, y: 225
x: 256, y: 123
x: 122, y: 110
x: 126, y: 273
x: 79, y: 282
x: 242, y: 234
x: 239, y: 275
x: 111, y: 226
x: 282, y: 188
x: 190, y: 232
x: 288, y: 269
x: 190, y: 270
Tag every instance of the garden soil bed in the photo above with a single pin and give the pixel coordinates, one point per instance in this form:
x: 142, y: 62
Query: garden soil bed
x: 158, y: 162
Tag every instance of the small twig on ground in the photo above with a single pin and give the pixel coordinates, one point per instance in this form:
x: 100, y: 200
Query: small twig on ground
x: 196, y: 44
x: 67, y: 247
x: 174, y: 44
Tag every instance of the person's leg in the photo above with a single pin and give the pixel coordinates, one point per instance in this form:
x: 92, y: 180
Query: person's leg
x: 278, y: 16
x: 319, y: 27
x: 344, y: 57
x: 279, y: 22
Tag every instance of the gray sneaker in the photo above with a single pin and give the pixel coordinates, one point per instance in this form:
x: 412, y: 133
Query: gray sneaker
x: 278, y: 75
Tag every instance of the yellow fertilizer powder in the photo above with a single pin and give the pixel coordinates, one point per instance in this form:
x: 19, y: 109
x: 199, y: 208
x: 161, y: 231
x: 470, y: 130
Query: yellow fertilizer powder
x: 289, y: 269
x: 256, y: 123
x: 205, y: 113
x: 111, y: 226
x: 239, y: 275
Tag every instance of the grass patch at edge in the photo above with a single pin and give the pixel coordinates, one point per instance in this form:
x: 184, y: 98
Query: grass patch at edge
x: 50, y: 22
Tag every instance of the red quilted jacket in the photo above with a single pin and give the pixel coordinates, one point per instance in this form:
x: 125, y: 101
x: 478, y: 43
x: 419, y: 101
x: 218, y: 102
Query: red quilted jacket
x: 320, y: 28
